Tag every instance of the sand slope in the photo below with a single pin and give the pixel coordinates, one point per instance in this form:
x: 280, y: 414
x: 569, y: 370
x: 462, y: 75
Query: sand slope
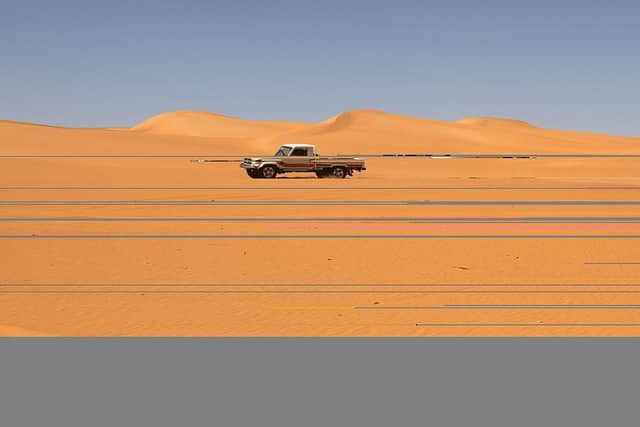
x: 29, y: 139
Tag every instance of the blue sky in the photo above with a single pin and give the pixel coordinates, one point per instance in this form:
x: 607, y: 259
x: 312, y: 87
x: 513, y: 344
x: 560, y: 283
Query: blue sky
x: 560, y: 64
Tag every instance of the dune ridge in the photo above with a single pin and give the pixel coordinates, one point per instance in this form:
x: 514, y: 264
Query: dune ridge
x: 356, y: 131
x: 205, y: 124
x: 494, y: 121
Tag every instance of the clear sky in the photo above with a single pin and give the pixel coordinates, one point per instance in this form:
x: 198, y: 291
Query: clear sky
x: 562, y: 64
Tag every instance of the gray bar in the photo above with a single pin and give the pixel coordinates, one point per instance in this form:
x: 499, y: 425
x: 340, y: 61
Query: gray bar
x: 545, y: 306
x: 473, y: 325
x: 502, y: 307
x: 318, y: 236
x: 612, y: 263
x: 391, y: 285
x: 532, y: 220
x: 320, y: 203
x: 320, y: 382
x: 368, y: 291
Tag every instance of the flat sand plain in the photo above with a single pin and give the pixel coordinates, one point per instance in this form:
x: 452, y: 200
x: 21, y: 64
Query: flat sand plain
x: 156, y: 231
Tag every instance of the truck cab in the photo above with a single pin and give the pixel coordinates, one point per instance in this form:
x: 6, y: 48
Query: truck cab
x: 296, y: 150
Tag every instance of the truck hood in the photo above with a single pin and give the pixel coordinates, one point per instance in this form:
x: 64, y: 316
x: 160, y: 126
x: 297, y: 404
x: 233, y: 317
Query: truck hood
x: 258, y: 158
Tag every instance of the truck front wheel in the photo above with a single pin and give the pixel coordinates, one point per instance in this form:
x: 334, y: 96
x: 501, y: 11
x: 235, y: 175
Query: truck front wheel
x: 253, y: 173
x: 339, y: 172
x: 268, y: 172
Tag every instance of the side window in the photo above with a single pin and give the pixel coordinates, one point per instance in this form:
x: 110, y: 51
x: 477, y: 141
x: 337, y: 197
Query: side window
x: 300, y: 151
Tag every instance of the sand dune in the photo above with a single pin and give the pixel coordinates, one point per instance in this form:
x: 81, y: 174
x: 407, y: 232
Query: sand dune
x: 31, y: 139
x: 358, y: 131
x: 200, y: 123
x: 371, y: 131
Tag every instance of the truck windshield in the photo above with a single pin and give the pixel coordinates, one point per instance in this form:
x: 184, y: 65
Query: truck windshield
x: 283, y: 151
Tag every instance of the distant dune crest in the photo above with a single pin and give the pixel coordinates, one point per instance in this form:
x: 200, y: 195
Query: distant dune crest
x: 349, y: 117
x: 494, y: 121
x: 205, y: 124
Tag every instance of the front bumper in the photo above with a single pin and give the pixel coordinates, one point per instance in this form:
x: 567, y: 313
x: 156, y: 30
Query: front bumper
x: 249, y: 165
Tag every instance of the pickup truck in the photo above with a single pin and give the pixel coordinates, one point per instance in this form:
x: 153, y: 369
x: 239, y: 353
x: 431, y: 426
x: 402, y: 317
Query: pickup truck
x: 301, y: 158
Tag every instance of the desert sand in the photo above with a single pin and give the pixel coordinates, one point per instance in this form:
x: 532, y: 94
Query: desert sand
x: 154, y: 230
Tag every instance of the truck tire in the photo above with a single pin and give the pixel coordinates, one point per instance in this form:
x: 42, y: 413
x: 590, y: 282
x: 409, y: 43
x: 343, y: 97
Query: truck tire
x: 253, y: 173
x: 322, y: 173
x: 268, y: 172
x: 339, y: 172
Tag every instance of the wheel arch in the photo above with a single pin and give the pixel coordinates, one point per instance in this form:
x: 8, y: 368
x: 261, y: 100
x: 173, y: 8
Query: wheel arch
x: 274, y: 164
x: 339, y: 165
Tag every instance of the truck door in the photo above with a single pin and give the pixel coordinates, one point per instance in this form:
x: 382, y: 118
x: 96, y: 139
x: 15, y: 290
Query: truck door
x: 299, y: 159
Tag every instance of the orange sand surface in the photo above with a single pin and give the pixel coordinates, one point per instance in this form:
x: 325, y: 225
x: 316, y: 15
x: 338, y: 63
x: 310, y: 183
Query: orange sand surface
x: 156, y: 231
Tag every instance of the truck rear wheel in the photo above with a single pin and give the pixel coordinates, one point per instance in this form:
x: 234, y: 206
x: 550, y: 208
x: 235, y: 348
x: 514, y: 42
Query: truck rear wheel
x: 268, y: 172
x: 339, y: 172
x: 322, y: 173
